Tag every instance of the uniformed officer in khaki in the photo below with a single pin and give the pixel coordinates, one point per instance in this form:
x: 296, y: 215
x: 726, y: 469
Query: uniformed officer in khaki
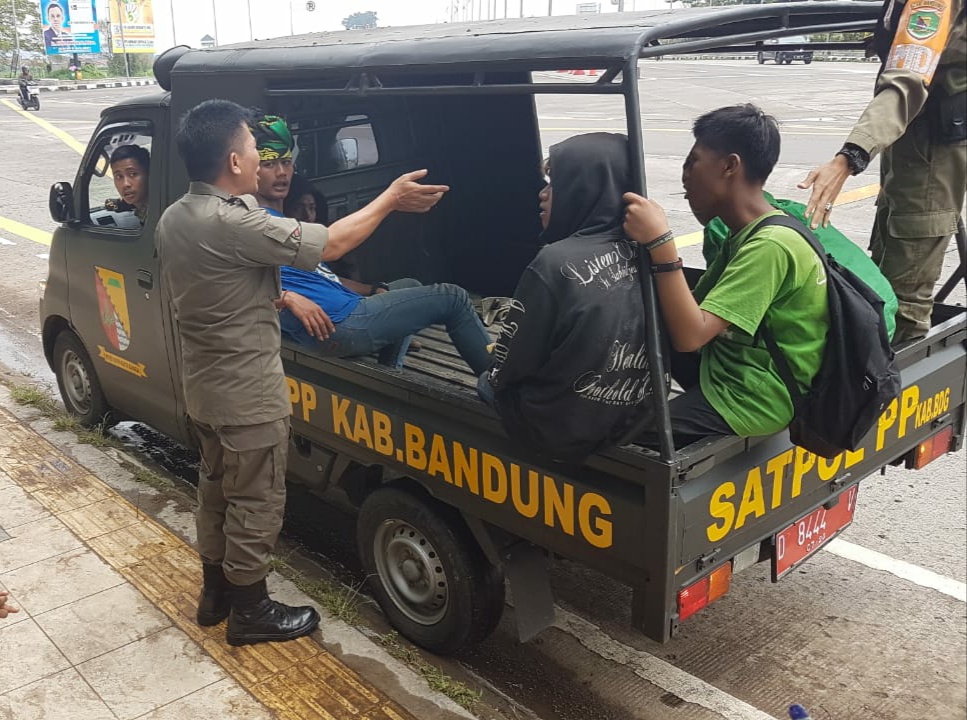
x: 220, y: 254
x: 916, y: 120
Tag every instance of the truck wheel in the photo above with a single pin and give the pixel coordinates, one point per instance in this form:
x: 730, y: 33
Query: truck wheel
x: 760, y: 58
x: 807, y: 59
x: 428, y: 574
x: 79, y: 387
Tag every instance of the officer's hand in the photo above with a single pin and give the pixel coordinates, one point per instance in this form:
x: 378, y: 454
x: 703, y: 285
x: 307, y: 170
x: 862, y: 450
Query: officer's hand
x: 408, y: 195
x: 645, y: 220
x: 312, y: 317
x: 826, y: 181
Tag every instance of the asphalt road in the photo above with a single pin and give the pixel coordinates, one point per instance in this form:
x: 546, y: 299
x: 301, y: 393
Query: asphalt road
x: 849, y: 641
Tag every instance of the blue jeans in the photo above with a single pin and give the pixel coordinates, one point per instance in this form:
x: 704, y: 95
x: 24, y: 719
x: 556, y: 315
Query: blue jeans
x: 385, y: 324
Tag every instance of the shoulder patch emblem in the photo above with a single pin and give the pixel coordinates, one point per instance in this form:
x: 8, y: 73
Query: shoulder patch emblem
x: 924, y: 22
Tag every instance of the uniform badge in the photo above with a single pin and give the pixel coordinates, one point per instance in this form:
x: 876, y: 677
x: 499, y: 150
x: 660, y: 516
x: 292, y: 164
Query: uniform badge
x: 924, y: 22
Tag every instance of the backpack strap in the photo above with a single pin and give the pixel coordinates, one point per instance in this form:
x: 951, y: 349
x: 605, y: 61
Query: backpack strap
x: 778, y: 356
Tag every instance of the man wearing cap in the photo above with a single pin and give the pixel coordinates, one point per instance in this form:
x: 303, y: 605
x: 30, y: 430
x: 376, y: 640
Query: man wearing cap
x: 220, y: 253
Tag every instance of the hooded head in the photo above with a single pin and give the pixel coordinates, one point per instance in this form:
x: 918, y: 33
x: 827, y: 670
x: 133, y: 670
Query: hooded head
x: 589, y: 174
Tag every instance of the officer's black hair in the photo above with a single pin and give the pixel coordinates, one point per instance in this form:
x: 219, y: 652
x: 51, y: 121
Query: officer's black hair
x: 746, y: 131
x: 207, y: 134
x: 133, y: 152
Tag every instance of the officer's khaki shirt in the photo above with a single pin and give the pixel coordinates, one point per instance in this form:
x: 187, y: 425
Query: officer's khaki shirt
x: 220, y: 258
x: 901, y: 90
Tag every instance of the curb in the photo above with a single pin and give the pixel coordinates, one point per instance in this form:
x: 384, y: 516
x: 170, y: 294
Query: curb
x: 100, y: 84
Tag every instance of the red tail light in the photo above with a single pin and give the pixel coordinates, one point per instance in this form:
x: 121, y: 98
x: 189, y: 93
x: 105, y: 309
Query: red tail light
x: 705, y: 591
x: 931, y: 448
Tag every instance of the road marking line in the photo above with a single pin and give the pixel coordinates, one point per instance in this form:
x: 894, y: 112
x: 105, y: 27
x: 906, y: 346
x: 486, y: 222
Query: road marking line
x: 861, y: 193
x: 655, y: 670
x: 4, y: 241
x: 67, y: 139
x: 24, y: 231
x: 900, y: 568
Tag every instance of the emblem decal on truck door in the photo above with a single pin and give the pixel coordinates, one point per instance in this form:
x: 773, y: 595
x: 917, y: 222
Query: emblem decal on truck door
x: 112, y: 303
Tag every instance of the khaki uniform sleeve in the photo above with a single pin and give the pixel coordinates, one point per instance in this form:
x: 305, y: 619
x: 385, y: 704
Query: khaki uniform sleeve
x: 264, y: 240
x: 902, y: 87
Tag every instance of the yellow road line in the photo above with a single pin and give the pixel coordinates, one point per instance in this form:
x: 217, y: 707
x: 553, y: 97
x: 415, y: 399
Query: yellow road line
x: 25, y: 231
x: 67, y: 139
x: 861, y: 193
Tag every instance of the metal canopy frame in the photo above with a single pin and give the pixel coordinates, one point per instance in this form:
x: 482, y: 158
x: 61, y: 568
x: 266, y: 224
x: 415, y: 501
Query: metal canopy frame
x: 614, y: 48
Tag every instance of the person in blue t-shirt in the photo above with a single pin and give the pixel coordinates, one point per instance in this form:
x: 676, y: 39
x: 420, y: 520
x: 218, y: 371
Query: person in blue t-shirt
x: 343, y: 318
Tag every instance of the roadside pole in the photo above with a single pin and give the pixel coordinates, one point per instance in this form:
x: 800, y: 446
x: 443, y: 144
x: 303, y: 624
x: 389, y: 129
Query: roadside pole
x: 124, y: 47
x: 15, y: 60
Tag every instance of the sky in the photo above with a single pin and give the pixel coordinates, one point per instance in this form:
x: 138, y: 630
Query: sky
x: 194, y: 19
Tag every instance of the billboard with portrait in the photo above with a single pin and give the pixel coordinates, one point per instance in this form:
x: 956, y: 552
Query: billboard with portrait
x: 70, y: 26
x: 132, y: 26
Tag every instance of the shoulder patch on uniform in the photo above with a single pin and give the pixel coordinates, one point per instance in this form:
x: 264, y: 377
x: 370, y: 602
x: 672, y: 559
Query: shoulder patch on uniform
x: 924, y: 21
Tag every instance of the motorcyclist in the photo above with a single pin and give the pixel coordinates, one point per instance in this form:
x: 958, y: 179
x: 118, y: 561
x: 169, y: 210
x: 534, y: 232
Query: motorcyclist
x: 24, y: 79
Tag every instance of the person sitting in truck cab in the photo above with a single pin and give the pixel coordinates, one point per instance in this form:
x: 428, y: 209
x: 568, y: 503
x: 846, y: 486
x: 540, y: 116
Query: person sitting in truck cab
x: 129, y: 167
x: 337, y: 317
x: 767, y: 276
x: 571, y: 371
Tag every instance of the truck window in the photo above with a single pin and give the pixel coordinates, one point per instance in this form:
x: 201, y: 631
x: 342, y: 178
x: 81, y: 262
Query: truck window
x: 116, y: 181
x: 329, y: 146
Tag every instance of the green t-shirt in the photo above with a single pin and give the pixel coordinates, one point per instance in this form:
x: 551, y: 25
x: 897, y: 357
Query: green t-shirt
x: 846, y: 252
x: 772, y: 276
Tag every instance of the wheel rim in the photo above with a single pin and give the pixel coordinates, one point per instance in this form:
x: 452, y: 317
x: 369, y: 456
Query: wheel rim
x: 77, y: 384
x: 410, y: 571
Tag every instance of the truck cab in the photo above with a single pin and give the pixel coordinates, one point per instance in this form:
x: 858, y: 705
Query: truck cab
x: 450, y: 507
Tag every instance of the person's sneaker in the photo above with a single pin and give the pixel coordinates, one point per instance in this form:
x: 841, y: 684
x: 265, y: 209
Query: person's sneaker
x: 493, y: 310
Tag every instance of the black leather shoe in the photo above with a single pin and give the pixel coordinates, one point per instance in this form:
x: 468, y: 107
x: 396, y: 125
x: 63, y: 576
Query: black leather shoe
x: 255, y: 618
x: 214, y: 603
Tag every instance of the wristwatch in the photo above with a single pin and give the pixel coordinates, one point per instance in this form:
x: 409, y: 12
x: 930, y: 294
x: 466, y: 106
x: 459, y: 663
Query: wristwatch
x: 856, y: 157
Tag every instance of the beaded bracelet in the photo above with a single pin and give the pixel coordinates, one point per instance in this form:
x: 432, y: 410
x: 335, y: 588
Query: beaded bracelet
x: 659, y: 241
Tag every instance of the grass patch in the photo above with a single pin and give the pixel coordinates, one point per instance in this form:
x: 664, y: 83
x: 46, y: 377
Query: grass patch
x: 42, y: 400
x: 339, y: 601
x: 438, y: 680
x: 35, y: 397
x: 151, y: 479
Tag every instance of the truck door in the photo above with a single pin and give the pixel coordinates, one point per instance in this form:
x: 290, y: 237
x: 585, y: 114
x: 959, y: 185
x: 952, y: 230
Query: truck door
x: 114, y: 294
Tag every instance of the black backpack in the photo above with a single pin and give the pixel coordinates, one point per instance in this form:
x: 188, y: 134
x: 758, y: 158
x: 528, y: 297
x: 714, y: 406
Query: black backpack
x: 858, y: 377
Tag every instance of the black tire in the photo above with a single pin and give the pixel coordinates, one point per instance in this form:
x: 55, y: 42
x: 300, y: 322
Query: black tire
x: 37, y: 103
x: 426, y: 571
x: 79, y: 386
x: 760, y: 58
x: 807, y: 59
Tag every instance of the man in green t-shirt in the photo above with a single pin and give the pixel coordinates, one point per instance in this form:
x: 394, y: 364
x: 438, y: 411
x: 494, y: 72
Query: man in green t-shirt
x: 762, y: 276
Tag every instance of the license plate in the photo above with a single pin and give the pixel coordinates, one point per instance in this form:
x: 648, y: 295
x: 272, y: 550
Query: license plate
x: 805, y: 536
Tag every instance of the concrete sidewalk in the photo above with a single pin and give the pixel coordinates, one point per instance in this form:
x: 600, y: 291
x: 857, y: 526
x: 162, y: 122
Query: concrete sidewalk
x: 108, y: 596
x: 65, y: 85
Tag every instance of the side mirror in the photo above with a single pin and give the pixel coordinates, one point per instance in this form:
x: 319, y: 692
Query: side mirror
x: 349, y: 150
x: 61, y: 203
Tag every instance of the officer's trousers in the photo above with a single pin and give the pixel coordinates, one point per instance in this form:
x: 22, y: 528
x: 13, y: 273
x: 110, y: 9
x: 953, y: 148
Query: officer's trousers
x: 241, y: 496
x: 921, y: 197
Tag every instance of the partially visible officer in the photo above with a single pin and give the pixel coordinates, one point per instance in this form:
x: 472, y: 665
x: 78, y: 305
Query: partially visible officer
x: 220, y: 254
x: 917, y: 119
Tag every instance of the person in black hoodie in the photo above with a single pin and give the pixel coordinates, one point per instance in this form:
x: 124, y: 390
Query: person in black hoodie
x: 570, y: 372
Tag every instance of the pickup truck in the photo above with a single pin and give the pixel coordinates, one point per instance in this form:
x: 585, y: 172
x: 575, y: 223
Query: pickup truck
x: 791, y: 48
x: 450, y: 509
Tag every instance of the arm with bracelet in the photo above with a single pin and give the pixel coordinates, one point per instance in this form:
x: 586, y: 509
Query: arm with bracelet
x: 690, y: 327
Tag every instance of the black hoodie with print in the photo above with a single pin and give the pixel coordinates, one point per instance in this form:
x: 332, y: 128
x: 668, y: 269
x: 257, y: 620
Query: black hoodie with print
x: 571, y: 372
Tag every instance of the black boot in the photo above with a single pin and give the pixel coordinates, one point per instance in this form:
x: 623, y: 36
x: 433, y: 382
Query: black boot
x: 214, y: 603
x: 255, y: 618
